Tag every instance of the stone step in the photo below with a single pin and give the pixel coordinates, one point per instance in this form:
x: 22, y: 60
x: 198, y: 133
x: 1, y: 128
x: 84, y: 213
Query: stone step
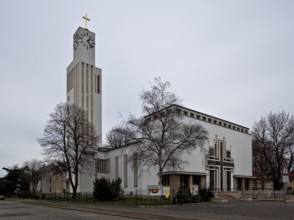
x: 219, y: 200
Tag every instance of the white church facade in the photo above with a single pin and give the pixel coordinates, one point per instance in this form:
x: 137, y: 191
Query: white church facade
x: 225, y: 163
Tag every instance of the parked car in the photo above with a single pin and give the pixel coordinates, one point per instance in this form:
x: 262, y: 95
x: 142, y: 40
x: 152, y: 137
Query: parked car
x: 2, y: 197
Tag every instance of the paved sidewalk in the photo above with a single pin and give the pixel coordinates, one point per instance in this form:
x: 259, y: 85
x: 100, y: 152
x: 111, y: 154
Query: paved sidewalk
x: 255, y: 210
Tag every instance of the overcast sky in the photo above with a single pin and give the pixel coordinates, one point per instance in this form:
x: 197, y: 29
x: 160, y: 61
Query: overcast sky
x: 230, y: 59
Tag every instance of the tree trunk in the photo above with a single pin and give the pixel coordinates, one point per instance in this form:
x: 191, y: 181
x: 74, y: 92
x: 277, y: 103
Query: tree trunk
x: 74, y: 192
x: 277, y: 184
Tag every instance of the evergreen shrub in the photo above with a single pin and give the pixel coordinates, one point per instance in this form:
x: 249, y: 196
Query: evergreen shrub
x: 104, y: 190
x: 183, y: 195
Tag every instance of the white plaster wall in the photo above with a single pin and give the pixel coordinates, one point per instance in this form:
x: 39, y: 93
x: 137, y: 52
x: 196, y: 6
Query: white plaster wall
x: 240, y: 143
x: 145, y: 176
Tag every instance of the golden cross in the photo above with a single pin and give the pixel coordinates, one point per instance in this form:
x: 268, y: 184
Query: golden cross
x: 86, y: 20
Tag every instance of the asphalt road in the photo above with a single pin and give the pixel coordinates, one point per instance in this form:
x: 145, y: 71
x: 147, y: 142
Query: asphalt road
x: 236, y: 210
x: 13, y: 210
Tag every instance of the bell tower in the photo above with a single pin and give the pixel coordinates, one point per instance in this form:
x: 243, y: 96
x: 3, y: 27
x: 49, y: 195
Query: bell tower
x: 84, y: 79
x: 83, y: 89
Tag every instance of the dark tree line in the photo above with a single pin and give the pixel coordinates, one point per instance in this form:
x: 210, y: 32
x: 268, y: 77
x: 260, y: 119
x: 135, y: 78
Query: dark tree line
x: 22, y: 180
x: 15, y: 182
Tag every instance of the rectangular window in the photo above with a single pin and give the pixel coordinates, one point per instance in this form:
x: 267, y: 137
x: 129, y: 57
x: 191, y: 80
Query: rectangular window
x: 222, y: 151
x: 211, y: 179
x: 246, y: 184
x: 229, y: 181
x: 98, y: 84
x: 211, y: 151
x: 103, y: 166
x: 135, y: 170
x: 92, y: 81
x: 196, y: 180
x: 116, y: 167
x: 165, y: 180
x: 228, y: 154
x: 87, y: 79
x: 125, y: 170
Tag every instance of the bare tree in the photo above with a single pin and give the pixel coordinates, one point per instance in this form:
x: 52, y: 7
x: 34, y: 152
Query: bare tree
x: 69, y: 139
x: 275, y: 136
x: 161, y: 135
x: 260, y: 165
x: 118, y: 136
x: 36, y: 170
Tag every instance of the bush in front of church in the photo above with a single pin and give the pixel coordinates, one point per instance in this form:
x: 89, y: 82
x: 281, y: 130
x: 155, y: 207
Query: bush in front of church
x: 104, y: 190
x: 205, y: 195
x: 183, y: 195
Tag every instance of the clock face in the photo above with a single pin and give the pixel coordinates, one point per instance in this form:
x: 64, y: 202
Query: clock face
x: 85, y: 40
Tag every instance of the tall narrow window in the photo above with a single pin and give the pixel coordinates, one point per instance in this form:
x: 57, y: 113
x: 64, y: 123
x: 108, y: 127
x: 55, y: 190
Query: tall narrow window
x: 125, y: 170
x: 135, y: 170
x: 98, y: 84
x: 228, y: 180
x: 212, y: 179
x: 87, y: 79
x: 116, y: 167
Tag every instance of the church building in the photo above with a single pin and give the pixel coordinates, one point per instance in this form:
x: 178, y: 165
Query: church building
x: 224, y: 164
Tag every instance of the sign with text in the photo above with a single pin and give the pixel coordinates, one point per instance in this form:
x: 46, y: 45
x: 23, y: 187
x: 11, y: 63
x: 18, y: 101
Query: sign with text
x: 285, y: 179
x: 154, y: 190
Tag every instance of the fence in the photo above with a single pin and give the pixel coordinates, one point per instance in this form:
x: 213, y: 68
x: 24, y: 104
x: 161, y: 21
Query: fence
x: 135, y: 197
x: 126, y: 198
x: 267, y: 194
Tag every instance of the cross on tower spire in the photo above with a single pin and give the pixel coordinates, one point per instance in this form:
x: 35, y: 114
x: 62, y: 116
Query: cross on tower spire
x: 86, y: 20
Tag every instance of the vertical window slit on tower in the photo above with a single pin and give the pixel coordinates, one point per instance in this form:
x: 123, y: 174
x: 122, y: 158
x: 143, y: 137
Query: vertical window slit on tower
x: 98, y: 84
